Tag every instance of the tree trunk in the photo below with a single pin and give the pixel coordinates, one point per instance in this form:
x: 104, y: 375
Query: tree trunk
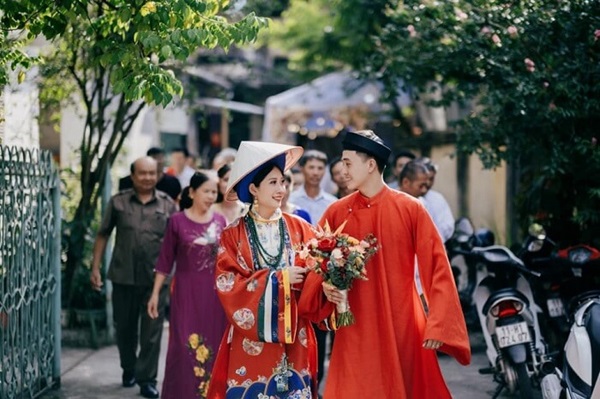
x: 77, y: 245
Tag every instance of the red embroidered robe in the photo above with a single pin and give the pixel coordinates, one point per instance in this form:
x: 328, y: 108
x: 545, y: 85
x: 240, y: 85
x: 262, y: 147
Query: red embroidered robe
x: 270, y: 340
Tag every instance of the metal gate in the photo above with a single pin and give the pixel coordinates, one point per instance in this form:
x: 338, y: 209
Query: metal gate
x: 29, y: 273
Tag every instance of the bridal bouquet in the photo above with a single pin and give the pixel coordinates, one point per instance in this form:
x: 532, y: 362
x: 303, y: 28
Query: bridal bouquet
x: 340, y: 259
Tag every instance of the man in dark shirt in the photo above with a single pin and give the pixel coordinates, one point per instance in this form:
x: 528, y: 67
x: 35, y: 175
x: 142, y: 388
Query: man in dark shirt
x: 167, y: 183
x: 140, y: 217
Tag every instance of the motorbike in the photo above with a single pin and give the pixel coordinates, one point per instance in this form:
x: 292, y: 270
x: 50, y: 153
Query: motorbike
x: 507, y: 314
x: 538, y: 254
x: 464, y: 269
x: 580, y: 293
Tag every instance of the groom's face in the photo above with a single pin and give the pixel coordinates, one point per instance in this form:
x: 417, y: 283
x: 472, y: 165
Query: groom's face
x: 356, y: 169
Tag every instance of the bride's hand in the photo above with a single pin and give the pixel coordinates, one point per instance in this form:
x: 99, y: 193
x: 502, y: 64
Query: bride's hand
x: 297, y: 274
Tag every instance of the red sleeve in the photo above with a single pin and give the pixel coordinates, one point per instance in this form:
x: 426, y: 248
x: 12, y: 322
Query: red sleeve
x: 445, y: 320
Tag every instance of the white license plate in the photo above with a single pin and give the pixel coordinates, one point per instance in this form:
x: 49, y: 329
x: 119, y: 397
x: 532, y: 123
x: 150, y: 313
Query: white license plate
x: 512, y: 334
x: 555, y: 307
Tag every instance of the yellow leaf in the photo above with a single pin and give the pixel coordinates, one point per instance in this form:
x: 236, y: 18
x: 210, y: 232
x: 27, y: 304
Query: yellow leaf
x: 339, y: 229
x: 21, y: 76
x: 148, y: 8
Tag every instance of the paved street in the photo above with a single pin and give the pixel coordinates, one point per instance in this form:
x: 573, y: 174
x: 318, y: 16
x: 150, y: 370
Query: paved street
x: 466, y: 382
x: 95, y: 374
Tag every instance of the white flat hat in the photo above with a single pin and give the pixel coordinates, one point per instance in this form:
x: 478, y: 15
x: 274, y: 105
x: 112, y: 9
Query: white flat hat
x: 250, y: 157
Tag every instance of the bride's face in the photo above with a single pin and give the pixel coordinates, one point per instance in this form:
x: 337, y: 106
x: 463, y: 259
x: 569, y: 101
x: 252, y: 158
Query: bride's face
x: 269, y: 192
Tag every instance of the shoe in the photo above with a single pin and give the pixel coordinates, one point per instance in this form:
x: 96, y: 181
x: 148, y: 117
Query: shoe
x: 149, y: 391
x: 128, y: 379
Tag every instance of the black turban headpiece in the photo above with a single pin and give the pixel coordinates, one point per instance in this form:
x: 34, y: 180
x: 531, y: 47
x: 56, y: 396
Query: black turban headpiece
x: 360, y: 143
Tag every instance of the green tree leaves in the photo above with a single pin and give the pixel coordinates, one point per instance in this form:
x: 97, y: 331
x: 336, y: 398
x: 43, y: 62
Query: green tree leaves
x: 116, y: 56
x: 530, y: 67
x: 128, y: 38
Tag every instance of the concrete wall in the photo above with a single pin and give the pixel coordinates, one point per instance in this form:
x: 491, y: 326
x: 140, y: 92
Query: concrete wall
x: 21, y: 112
x: 486, y: 195
x: 146, y: 133
x: 487, y: 198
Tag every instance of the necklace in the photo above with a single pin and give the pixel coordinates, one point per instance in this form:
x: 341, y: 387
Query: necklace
x: 270, y: 260
x: 256, y: 216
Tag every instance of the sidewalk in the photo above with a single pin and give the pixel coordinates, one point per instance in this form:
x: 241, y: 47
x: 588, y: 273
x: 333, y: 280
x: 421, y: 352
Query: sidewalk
x: 96, y: 374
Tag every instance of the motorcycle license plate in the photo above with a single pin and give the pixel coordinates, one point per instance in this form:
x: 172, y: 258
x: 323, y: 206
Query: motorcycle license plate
x: 512, y: 334
x: 555, y: 307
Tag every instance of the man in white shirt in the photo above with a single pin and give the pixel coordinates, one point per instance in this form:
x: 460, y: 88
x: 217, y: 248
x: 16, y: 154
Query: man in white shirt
x: 310, y: 196
x: 182, y: 170
x: 415, y: 179
x: 436, y: 204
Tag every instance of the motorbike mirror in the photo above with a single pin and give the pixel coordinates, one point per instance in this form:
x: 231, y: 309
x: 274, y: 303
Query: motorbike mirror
x: 462, y: 238
x: 537, y: 230
x: 535, y: 245
x: 464, y: 227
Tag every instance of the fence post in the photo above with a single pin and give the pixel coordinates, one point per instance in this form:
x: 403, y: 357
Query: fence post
x: 55, y: 259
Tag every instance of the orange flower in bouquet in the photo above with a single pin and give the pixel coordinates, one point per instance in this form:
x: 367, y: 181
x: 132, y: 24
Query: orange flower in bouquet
x: 340, y: 259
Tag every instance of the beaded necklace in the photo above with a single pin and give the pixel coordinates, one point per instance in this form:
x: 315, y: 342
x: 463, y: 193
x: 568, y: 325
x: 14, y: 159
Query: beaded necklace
x: 272, y: 261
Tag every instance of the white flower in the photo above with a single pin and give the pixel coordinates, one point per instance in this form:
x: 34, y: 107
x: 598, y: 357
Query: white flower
x: 303, y: 254
x: 358, y: 248
x: 337, y: 254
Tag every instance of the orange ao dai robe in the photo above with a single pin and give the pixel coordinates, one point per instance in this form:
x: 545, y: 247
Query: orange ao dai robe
x: 269, y: 349
x: 381, y: 355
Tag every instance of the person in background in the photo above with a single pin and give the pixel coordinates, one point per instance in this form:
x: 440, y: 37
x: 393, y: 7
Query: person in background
x: 287, y: 206
x: 223, y: 157
x: 390, y: 351
x: 192, y: 162
x: 414, y: 179
x: 166, y: 183
x: 313, y: 199
x: 197, y: 320
x: 269, y: 350
x: 310, y: 196
x: 230, y: 209
x: 336, y: 169
x: 436, y: 204
x: 180, y: 168
x: 401, y: 159
x: 140, y: 216
x: 298, y: 178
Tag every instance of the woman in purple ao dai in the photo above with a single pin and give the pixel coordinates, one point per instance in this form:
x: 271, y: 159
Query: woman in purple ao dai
x: 197, y: 320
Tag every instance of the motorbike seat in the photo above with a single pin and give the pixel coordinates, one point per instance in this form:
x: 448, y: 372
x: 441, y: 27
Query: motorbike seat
x: 501, y: 295
x: 498, y: 254
x: 592, y: 326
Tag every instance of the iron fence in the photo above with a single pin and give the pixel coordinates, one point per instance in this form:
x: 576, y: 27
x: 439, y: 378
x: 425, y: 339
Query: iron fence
x: 29, y: 273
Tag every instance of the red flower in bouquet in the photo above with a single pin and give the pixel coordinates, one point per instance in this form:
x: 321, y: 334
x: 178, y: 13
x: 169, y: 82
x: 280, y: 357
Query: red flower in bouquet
x: 339, y: 258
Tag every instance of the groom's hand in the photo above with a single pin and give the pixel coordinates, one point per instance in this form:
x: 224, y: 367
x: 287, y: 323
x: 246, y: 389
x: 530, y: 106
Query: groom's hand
x: 339, y: 297
x: 432, y: 344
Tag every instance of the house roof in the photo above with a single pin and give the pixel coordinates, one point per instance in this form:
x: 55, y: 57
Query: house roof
x: 237, y: 106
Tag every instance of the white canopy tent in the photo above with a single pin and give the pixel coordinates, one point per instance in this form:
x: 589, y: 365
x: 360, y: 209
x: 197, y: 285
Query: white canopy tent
x: 336, y: 100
